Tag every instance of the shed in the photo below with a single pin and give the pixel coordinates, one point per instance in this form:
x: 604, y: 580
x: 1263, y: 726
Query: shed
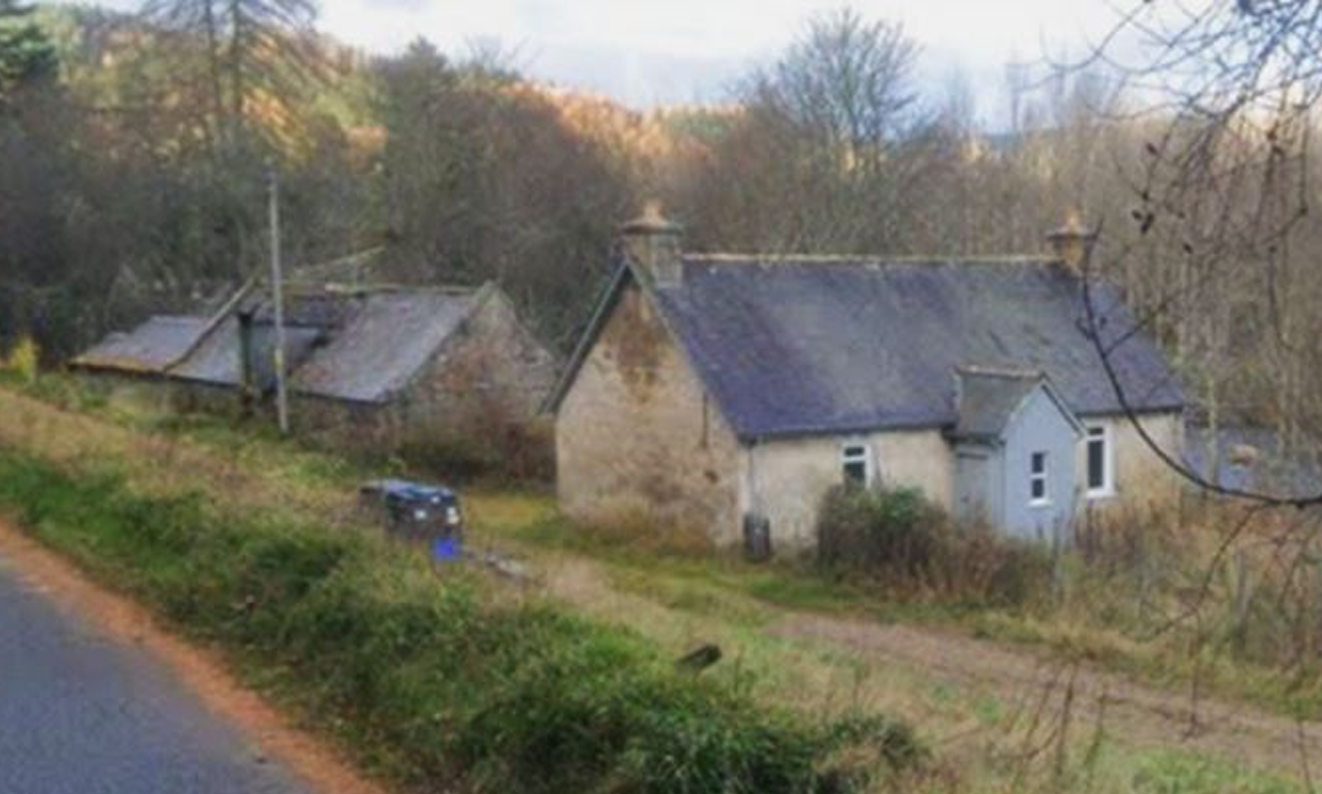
x: 367, y: 365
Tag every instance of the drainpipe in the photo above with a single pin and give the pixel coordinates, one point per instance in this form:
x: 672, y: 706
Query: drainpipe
x: 750, y: 478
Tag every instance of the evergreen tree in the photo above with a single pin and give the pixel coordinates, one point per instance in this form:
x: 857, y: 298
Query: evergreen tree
x: 26, y: 54
x: 259, y: 55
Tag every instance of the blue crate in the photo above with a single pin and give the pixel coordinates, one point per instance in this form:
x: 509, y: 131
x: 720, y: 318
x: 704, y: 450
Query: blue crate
x: 447, y: 550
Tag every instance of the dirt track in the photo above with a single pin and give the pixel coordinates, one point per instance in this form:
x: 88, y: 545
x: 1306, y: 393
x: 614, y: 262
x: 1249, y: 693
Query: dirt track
x: 1035, y: 688
x: 1139, y: 714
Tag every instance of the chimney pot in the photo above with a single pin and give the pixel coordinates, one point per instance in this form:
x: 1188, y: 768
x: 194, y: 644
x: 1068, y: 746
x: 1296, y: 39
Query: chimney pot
x: 652, y: 244
x: 1072, y: 243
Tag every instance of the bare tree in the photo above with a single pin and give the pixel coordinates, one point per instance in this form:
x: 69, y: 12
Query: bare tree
x: 1219, y: 194
x: 814, y: 161
x: 845, y: 85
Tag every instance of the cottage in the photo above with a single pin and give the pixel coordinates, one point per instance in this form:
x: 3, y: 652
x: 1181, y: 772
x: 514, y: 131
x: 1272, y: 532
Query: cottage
x: 367, y: 365
x: 709, y: 389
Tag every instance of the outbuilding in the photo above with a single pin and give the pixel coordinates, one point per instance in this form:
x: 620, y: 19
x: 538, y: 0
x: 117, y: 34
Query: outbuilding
x: 367, y: 366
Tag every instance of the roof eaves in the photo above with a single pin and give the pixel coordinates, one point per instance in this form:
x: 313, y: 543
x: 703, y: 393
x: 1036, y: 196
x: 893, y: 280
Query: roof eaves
x: 974, y: 438
x: 370, y: 402
x: 1147, y: 410
x: 824, y: 430
x: 1047, y: 386
x: 112, y: 364
x: 605, y: 303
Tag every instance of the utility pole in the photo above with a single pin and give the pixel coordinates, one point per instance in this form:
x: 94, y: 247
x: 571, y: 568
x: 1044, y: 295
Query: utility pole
x: 278, y: 298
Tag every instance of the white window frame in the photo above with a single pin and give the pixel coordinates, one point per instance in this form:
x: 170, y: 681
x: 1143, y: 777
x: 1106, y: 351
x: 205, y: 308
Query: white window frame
x: 1043, y: 476
x: 1093, y: 433
x: 857, y: 451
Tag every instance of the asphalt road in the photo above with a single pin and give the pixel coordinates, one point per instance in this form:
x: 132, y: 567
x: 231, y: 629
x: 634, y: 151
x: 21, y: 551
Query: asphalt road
x: 80, y: 714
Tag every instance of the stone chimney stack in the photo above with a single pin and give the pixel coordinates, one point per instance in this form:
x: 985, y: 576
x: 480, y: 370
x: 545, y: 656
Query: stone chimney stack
x: 652, y: 243
x: 1072, y: 243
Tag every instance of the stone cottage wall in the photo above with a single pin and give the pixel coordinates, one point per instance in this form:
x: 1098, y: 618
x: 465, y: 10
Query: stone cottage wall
x: 786, y: 480
x: 637, y: 432
x: 340, y: 425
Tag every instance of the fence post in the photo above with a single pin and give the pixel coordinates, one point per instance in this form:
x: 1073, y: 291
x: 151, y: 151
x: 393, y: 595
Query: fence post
x: 1057, y: 565
x: 1243, y: 598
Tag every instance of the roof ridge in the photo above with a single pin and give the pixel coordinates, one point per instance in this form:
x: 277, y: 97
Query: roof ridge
x: 339, y: 290
x: 868, y: 259
x: 1018, y: 373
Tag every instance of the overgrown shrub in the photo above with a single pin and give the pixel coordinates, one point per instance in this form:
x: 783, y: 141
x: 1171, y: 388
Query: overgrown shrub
x: 430, y: 679
x: 509, y: 452
x: 902, y: 540
x: 896, y: 531
x: 23, y: 360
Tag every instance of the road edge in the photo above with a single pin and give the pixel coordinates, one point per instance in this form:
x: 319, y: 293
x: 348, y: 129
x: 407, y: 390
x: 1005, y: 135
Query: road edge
x: 202, y: 672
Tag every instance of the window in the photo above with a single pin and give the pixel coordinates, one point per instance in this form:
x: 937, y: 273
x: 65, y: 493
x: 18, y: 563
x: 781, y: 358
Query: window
x: 856, y: 464
x: 1098, y: 460
x: 1037, y: 479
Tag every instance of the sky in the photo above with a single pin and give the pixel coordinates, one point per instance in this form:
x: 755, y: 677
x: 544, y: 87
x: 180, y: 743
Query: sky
x: 652, y: 52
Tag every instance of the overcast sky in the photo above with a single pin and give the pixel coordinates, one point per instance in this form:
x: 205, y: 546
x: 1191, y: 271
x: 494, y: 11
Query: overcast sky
x: 648, y: 52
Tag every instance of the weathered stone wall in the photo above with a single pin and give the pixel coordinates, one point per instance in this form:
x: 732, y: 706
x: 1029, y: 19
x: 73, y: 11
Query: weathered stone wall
x: 160, y: 394
x: 149, y: 392
x: 194, y: 397
x: 785, y: 480
x: 340, y: 425
x: 637, y: 432
x: 491, y: 374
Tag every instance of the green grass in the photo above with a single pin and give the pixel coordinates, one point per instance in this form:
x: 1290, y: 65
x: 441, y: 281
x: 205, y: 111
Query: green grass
x: 1181, y: 773
x: 438, y: 678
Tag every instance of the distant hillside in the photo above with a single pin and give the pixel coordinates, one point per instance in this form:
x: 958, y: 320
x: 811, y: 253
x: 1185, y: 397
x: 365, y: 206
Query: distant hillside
x: 114, y: 60
x: 119, y: 64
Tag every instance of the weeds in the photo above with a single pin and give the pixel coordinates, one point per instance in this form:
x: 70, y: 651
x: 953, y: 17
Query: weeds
x: 908, y: 546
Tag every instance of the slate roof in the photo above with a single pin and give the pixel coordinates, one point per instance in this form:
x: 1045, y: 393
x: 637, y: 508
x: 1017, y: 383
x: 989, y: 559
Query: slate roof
x: 147, y: 349
x: 804, y: 346
x: 388, y: 340
x: 315, y: 309
x: 989, y: 398
x: 217, y: 359
x: 1270, y: 471
x: 362, y: 346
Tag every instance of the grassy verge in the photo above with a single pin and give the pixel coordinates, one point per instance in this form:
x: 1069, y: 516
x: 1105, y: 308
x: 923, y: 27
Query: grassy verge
x: 662, y: 600
x: 441, y: 681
